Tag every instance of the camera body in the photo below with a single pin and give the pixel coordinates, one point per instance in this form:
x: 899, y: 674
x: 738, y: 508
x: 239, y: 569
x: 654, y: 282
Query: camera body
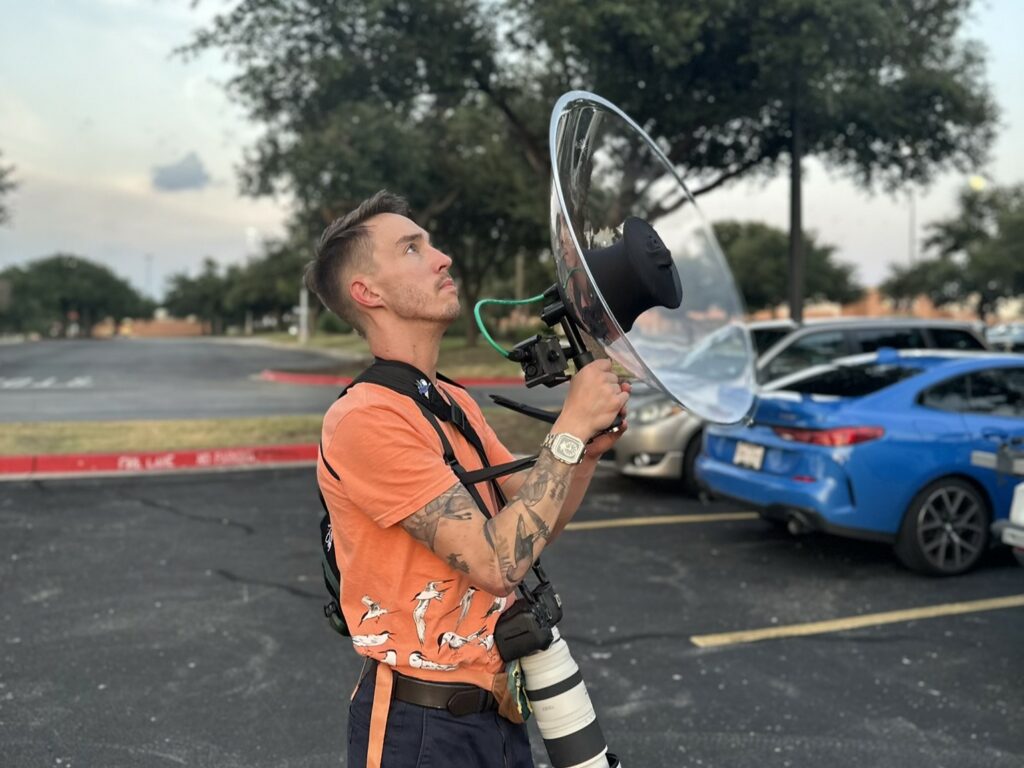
x: 527, y: 626
x: 542, y: 359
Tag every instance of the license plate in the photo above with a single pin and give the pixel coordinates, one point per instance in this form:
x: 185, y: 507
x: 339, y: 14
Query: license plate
x: 748, y: 455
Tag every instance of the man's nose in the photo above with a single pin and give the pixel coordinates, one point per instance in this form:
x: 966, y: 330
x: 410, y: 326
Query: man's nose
x: 443, y: 260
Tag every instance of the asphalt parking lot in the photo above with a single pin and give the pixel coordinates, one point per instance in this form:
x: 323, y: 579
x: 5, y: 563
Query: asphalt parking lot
x: 74, y: 380
x: 176, y: 620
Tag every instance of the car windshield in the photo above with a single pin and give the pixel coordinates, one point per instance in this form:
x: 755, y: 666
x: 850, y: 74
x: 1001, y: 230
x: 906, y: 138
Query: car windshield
x: 853, y: 380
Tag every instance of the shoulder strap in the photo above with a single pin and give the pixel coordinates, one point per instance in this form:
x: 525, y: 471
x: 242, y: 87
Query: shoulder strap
x: 414, y: 384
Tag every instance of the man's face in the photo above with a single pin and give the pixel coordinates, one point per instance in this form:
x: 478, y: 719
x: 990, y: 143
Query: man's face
x: 411, y: 275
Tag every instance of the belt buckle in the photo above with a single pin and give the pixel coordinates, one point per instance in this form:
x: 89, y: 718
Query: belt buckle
x: 465, y: 702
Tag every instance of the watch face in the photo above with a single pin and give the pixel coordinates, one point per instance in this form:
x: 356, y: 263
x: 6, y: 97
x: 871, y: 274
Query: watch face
x: 567, y: 447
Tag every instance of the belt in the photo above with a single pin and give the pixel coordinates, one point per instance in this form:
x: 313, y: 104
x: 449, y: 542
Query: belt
x: 459, y: 699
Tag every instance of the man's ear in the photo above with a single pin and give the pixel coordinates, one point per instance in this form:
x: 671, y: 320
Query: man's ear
x: 363, y: 293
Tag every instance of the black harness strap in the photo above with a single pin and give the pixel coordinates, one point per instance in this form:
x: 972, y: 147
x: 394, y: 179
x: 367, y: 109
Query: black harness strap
x: 411, y: 382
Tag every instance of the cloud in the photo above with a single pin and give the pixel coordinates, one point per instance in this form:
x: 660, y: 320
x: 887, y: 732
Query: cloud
x: 187, y: 173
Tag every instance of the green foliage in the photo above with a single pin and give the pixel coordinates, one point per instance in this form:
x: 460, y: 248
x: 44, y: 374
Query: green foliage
x: 48, y: 295
x: 365, y: 95
x: 204, y: 296
x: 978, y: 254
x: 328, y: 322
x: 886, y: 89
x: 447, y: 101
x: 7, y: 185
x: 758, y: 255
x: 266, y: 285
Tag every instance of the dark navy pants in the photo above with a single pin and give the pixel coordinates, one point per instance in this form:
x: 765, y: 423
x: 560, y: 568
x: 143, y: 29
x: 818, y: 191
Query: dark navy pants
x: 419, y: 737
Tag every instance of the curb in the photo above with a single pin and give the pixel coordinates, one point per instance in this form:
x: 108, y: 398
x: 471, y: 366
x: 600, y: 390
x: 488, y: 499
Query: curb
x: 155, y: 462
x: 327, y: 380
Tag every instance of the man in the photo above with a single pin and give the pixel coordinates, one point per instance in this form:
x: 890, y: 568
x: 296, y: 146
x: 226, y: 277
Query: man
x: 425, y: 573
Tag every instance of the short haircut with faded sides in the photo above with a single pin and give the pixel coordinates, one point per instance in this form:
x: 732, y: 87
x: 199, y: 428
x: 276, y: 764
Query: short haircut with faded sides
x: 346, y: 247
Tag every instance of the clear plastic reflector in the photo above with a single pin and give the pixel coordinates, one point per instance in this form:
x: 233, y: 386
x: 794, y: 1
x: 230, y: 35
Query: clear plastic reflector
x: 606, y: 170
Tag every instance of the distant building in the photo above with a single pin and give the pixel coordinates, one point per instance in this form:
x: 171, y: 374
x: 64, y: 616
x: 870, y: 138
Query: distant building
x: 160, y: 325
x: 874, y: 304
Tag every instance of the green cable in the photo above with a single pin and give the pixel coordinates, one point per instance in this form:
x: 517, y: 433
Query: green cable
x: 480, y: 323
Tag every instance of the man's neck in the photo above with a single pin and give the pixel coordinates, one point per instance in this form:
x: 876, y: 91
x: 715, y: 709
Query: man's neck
x: 418, y: 348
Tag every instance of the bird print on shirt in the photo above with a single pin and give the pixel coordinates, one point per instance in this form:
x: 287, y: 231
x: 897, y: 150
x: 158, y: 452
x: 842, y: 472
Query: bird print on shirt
x: 463, y: 606
x: 418, y: 661
x: 497, y: 606
x: 456, y: 641
x: 430, y: 593
x: 373, y: 609
x: 370, y: 641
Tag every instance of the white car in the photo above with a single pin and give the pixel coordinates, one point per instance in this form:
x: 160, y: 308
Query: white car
x: 1011, y: 531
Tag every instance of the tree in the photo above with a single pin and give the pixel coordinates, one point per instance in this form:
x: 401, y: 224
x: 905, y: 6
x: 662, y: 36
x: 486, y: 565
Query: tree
x: 757, y: 255
x: 368, y: 93
x: 364, y: 95
x: 941, y: 280
x: 51, y: 294
x: 7, y: 185
x: 885, y: 89
x: 204, y: 296
x: 269, y: 284
x: 978, y: 254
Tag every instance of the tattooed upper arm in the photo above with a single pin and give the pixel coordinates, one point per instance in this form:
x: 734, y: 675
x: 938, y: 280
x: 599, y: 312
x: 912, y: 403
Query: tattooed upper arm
x: 453, y: 528
x: 453, y: 504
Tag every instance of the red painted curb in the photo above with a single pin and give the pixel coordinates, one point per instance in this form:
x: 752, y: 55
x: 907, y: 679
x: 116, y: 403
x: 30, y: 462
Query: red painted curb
x: 136, y: 462
x: 309, y: 379
x: 326, y: 380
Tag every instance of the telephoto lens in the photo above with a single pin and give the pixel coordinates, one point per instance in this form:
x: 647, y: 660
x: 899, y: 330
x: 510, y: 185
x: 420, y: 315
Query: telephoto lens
x: 561, y: 704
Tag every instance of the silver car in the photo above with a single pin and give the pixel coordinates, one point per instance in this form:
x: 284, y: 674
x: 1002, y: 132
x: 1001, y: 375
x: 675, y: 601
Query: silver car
x: 1008, y: 337
x: 663, y: 440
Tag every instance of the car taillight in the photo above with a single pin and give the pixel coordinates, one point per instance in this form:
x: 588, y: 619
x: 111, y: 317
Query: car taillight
x: 830, y: 437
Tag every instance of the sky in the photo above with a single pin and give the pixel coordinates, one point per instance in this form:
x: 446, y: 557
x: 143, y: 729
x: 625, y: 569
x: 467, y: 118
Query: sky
x: 128, y: 155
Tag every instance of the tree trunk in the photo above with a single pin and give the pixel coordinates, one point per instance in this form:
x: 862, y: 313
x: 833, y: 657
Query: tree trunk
x: 796, y: 227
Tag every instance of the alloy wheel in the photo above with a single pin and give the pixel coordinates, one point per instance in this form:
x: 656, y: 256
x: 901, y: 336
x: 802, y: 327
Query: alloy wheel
x: 951, y: 529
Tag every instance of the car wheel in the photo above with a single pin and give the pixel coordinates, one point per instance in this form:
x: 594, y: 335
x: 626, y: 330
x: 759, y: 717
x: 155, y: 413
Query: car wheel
x: 688, y: 477
x: 945, y: 529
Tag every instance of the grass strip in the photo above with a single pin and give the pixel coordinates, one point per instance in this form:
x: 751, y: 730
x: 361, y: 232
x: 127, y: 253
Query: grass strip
x: 520, y: 434
x: 455, y: 360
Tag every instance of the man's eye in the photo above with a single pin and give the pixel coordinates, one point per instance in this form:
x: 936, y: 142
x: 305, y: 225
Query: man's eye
x: 412, y: 248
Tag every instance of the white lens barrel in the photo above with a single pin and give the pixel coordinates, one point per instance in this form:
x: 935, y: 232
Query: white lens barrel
x: 561, y: 704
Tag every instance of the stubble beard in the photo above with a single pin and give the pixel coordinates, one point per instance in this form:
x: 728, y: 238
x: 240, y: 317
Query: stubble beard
x: 416, y: 305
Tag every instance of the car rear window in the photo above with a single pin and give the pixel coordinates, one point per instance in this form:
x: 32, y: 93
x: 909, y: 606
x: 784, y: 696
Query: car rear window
x: 765, y: 338
x: 872, y: 339
x: 853, y: 380
x: 951, y: 338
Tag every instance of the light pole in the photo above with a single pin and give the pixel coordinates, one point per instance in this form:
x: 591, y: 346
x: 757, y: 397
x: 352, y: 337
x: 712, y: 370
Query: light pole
x: 912, y: 239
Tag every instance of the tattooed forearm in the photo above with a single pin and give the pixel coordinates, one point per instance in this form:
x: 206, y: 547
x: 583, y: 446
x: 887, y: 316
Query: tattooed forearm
x: 495, y: 552
x: 535, y: 511
x: 548, y: 478
x: 524, y: 550
x: 453, y: 504
x: 542, y: 528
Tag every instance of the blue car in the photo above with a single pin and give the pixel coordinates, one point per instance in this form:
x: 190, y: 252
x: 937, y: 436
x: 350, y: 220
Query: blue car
x: 901, y: 447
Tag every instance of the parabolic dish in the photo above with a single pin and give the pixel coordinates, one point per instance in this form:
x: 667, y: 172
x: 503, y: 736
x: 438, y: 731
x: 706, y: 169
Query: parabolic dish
x: 605, y: 170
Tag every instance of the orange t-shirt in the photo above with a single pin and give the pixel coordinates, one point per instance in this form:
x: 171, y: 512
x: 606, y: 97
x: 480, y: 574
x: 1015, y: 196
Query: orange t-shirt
x: 404, y: 605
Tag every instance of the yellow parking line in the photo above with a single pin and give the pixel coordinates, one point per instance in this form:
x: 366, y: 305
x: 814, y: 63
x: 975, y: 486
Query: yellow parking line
x: 628, y: 522
x: 857, y: 622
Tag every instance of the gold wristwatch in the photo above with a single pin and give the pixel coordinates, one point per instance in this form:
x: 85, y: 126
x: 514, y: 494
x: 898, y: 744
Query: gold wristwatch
x: 565, y: 447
